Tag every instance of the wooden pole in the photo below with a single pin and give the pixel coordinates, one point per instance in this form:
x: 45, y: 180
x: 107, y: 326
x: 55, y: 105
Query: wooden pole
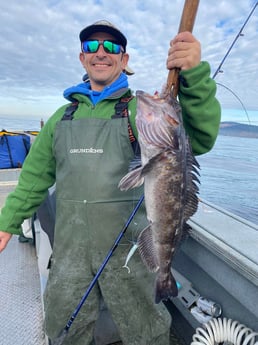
x: 186, y: 24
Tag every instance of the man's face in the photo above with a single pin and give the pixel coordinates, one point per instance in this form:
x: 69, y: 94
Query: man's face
x: 103, y: 68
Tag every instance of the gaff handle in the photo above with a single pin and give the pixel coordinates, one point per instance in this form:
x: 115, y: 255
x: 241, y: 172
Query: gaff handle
x: 186, y: 24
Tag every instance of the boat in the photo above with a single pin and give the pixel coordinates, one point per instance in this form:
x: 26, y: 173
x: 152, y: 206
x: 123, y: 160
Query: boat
x: 21, y: 315
x: 216, y: 269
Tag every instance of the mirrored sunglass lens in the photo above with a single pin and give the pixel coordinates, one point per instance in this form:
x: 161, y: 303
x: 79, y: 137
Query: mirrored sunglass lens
x: 111, y: 47
x: 93, y: 46
x: 90, y: 46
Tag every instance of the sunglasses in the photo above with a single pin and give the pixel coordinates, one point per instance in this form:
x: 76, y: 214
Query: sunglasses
x: 92, y: 46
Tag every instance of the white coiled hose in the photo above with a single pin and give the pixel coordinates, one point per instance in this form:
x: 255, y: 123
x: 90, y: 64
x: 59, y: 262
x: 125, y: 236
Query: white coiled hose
x: 218, y: 331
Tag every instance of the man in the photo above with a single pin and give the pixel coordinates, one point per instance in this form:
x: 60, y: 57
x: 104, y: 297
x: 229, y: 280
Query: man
x: 86, y: 154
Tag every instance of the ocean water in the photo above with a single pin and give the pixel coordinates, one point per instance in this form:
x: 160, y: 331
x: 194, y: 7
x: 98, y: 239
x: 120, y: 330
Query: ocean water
x: 228, y: 172
x: 19, y: 124
x: 229, y: 176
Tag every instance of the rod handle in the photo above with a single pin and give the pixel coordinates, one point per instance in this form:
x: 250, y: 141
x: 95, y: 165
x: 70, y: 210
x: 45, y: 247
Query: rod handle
x: 186, y: 24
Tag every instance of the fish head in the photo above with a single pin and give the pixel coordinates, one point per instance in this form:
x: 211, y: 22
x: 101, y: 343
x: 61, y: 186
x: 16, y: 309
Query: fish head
x: 158, y: 119
x: 151, y: 108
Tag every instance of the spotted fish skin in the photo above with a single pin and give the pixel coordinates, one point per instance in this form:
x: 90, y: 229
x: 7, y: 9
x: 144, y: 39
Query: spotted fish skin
x: 170, y: 175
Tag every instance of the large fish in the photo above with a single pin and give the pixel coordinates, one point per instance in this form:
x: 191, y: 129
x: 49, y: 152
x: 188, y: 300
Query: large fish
x: 169, y: 172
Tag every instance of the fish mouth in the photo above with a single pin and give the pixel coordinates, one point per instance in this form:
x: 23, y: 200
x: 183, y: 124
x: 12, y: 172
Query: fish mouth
x: 140, y: 93
x: 147, y: 99
x: 144, y: 96
x: 147, y: 109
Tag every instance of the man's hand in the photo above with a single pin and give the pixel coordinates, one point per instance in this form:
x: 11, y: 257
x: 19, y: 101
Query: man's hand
x: 4, y: 239
x: 184, y: 52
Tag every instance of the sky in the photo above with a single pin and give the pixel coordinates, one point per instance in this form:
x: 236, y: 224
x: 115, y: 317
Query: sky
x: 39, y: 42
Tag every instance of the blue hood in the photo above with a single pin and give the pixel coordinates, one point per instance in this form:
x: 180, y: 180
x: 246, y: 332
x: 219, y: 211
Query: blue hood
x: 96, y: 96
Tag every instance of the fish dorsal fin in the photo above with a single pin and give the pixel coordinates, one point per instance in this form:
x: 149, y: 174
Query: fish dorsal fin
x: 147, y: 250
x: 192, y: 191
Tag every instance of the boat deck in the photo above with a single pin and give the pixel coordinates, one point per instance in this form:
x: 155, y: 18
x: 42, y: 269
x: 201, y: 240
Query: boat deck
x: 219, y: 260
x: 21, y: 315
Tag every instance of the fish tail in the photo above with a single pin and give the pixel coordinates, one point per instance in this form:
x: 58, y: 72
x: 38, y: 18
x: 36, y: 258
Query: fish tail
x: 165, y: 288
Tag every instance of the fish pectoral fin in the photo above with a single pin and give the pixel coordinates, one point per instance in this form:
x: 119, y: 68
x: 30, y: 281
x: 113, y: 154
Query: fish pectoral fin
x: 147, y: 250
x: 135, y: 163
x: 131, y: 180
x: 161, y: 156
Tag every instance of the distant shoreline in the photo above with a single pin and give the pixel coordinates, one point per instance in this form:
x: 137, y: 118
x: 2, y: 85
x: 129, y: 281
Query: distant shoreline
x: 236, y: 129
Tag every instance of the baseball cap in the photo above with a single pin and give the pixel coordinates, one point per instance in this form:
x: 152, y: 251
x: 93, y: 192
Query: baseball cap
x: 105, y: 26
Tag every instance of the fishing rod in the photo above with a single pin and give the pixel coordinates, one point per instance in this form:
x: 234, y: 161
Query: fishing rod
x: 239, y: 34
x: 219, y: 70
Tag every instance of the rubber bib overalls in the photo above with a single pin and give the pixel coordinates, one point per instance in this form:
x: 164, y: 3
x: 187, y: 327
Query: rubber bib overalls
x: 91, y: 157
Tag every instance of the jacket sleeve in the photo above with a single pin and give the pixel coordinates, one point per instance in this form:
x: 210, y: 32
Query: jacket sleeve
x: 37, y: 175
x: 200, y: 109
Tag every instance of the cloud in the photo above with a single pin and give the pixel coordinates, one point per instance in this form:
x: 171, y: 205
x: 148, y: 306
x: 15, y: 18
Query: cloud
x: 40, y: 47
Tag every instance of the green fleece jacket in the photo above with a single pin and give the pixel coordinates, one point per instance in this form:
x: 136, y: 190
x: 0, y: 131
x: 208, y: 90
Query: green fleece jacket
x: 201, y: 116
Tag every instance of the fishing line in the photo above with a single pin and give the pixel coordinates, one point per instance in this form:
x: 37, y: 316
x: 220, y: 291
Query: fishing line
x: 137, y: 224
x: 242, y: 104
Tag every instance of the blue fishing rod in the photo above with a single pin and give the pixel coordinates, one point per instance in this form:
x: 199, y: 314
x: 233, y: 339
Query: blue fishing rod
x: 60, y: 339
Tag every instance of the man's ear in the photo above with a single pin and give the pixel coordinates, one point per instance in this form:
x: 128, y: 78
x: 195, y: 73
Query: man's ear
x: 81, y: 57
x: 125, y: 59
